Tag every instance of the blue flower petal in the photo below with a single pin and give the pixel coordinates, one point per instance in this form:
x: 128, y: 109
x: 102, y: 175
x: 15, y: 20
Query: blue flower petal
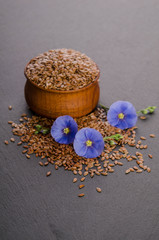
x: 122, y: 124
x: 57, y: 130
x: 130, y: 116
x: 80, y: 147
x: 99, y: 146
x: 81, y: 138
x: 131, y: 120
x: 91, y: 152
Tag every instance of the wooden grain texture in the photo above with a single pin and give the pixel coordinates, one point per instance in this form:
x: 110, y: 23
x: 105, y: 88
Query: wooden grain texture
x: 55, y: 103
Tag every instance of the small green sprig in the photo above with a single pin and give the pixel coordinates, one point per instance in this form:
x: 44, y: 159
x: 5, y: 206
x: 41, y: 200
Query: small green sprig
x: 104, y: 107
x: 110, y: 139
x: 40, y: 129
x: 147, y: 110
x: 116, y: 137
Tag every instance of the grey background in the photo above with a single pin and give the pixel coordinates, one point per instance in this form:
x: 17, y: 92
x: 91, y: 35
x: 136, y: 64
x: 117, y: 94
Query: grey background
x: 122, y: 37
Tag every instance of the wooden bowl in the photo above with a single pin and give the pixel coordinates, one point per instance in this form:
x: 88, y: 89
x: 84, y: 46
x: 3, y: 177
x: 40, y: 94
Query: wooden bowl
x: 54, y: 103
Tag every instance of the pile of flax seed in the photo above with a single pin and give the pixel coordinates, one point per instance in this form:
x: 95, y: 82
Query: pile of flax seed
x: 50, y: 152
x: 62, y: 69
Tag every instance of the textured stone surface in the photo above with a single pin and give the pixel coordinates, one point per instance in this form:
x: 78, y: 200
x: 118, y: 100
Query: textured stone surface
x: 122, y: 37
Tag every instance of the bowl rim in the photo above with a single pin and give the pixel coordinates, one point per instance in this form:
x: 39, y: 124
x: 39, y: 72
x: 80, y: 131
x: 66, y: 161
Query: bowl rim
x: 62, y: 91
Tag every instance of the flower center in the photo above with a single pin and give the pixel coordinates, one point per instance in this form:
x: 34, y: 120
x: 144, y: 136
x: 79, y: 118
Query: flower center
x: 121, y: 115
x: 88, y: 143
x: 66, y: 130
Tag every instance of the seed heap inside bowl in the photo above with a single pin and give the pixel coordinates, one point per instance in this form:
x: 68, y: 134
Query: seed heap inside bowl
x: 62, y: 69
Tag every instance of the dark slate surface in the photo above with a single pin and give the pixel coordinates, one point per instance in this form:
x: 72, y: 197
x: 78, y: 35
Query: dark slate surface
x: 123, y: 38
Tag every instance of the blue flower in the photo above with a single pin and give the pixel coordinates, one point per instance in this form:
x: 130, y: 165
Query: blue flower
x: 88, y: 143
x: 122, y: 115
x: 64, y: 129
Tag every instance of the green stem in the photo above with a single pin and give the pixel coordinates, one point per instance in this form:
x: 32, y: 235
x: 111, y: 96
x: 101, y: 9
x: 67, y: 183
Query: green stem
x: 147, y: 110
x: 104, y: 107
x: 116, y: 137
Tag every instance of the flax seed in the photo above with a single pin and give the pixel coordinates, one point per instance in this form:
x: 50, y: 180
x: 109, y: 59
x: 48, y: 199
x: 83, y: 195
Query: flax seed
x: 111, y: 170
x: 136, y: 168
x: 142, y: 138
x: 142, y: 117
x: 139, y: 171
x: 104, y: 173
x: 152, y: 135
x: 6, y: 142
x: 81, y: 186
x: 127, y: 171
x: 46, y: 163
x: 41, y: 164
x: 74, y: 180
x: 81, y: 195
x: 85, y: 173
x: 24, y: 151
x: 12, y: 140
x: 131, y: 169
x: 23, y: 115
x: 145, y: 167
x: 10, y: 107
x: 82, y: 179
x: 120, y: 163
x: 150, y: 156
x: 148, y: 170
x: 19, y: 143
x: 48, y: 173
x: 27, y: 155
x: 75, y: 172
x: 98, y: 189
x: 10, y: 122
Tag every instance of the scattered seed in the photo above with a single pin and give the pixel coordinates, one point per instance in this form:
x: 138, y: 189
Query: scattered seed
x: 85, y: 173
x: 139, y: 171
x: 142, y: 117
x: 136, y: 168
x: 141, y: 166
x: 152, y: 135
x: 74, y: 180
x: 120, y: 163
x: 148, y: 170
x: 142, y: 138
x: 10, y: 107
x: 41, y: 164
x: 104, y: 173
x: 6, y: 142
x: 27, y: 155
x: 23, y: 115
x: 10, y: 122
x: 81, y: 186
x: 46, y: 163
x: 145, y: 167
x: 111, y: 170
x: 150, y: 156
x: 81, y: 195
x: 19, y: 143
x: 12, y: 140
x: 82, y: 179
x: 127, y: 171
x: 24, y: 151
x: 131, y: 169
x: 48, y: 173
x: 98, y: 189
x: 74, y: 172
